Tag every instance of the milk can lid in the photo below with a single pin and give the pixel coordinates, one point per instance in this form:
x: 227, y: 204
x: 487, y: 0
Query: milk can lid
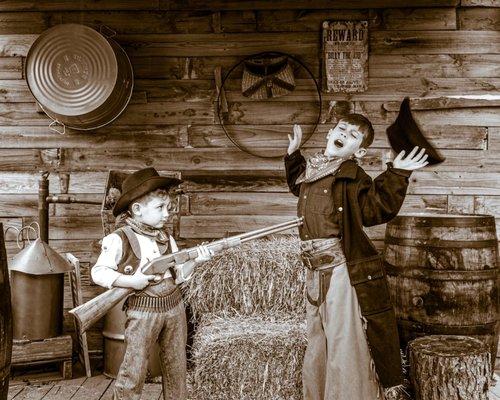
x: 38, y: 258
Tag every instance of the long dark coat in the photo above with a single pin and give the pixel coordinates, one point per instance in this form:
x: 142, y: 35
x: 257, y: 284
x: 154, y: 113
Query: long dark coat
x: 366, y: 202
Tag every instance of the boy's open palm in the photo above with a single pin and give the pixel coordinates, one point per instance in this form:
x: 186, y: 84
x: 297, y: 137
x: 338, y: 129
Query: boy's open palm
x: 294, y: 143
x: 415, y: 160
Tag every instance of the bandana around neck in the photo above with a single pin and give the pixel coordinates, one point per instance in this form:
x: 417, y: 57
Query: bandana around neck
x: 319, y: 166
x: 160, y: 235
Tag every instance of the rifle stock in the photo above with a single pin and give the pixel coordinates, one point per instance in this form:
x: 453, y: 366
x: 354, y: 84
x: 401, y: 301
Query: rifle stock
x: 93, y: 310
x: 90, y: 312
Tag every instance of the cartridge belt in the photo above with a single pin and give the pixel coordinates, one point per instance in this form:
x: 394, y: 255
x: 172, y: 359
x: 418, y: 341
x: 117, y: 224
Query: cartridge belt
x: 155, y: 304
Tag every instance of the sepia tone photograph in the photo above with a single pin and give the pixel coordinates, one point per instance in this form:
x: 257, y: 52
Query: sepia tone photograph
x: 249, y: 200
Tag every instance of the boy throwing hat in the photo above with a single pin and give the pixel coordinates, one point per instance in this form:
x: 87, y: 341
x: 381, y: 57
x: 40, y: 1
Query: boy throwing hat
x: 353, y: 345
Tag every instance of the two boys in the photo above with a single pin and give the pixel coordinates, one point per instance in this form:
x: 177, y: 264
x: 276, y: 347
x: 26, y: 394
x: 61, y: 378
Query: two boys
x: 353, y: 347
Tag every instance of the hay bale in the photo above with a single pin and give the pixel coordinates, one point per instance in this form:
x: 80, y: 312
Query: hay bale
x: 248, y: 358
x: 263, y: 276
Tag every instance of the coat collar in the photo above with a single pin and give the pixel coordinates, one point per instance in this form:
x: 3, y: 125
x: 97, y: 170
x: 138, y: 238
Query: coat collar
x: 348, y: 169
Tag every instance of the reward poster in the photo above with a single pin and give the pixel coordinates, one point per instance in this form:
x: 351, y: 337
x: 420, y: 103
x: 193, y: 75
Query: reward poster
x: 345, y: 56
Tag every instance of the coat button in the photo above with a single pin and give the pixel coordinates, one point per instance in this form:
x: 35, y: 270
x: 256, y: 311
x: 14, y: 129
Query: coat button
x: 128, y: 269
x: 305, y: 196
x: 369, y: 277
x: 306, y: 236
x: 340, y: 209
x: 325, y: 191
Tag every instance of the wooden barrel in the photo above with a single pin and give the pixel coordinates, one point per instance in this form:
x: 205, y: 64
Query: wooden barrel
x: 5, y: 321
x: 443, y: 276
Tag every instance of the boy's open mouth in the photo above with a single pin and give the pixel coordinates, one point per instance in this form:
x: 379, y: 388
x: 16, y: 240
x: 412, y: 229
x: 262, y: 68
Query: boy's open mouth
x: 338, y: 143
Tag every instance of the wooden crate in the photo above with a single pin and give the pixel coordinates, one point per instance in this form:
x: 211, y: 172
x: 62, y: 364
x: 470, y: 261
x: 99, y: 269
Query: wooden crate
x: 28, y: 355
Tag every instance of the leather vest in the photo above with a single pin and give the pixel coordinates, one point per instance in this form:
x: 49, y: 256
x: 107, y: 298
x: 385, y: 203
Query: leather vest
x: 131, y: 256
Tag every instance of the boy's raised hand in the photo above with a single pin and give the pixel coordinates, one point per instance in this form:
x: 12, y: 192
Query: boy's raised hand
x: 296, y: 140
x: 412, y: 161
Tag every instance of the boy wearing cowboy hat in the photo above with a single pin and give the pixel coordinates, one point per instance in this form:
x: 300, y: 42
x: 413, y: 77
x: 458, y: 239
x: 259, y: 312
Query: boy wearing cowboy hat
x: 155, y: 312
x: 353, y: 345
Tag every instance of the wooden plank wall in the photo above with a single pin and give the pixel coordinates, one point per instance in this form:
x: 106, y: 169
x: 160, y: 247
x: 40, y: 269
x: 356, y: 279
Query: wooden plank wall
x: 429, y: 51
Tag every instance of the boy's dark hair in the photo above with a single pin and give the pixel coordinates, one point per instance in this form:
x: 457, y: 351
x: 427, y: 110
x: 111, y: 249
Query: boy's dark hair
x: 365, y: 127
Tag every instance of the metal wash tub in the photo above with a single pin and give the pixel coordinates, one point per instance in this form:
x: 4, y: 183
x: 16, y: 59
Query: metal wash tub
x: 81, y: 79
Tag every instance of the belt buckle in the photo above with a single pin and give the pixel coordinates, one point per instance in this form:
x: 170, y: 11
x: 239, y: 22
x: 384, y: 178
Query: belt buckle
x: 308, y: 245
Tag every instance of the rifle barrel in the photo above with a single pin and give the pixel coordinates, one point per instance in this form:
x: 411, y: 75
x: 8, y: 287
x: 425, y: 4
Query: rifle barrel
x: 272, y: 229
x: 294, y: 222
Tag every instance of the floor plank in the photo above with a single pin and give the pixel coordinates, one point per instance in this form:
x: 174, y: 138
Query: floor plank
x: 151, y: 391
x: 37, y: 392
x: 108, y: 394
x: 92, y: 389
x: 65, y: 389
x: 14, y: 390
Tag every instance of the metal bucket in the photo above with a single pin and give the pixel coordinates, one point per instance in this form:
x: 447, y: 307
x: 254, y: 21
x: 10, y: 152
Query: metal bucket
x: 81, y: 79
x: 114, y: 344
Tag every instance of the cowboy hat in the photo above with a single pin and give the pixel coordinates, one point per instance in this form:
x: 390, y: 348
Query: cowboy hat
x: 140, y: 183
x: 405, y: 134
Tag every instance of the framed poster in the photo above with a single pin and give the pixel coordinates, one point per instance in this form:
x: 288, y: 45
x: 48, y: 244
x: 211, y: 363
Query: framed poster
x: 345, y: 56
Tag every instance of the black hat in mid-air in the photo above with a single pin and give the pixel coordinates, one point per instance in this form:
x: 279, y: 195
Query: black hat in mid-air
x: 405, y: 134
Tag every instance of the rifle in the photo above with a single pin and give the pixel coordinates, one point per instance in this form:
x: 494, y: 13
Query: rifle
x: 90, y: 312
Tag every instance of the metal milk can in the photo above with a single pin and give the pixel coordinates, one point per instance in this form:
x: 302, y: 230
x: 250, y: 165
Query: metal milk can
x: 37, y: 288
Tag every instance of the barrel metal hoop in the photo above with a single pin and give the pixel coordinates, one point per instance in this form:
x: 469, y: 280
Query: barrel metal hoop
x: 462, y: 221
x: 439, y: 243
x: 480, y: 329
x: 440, y: 275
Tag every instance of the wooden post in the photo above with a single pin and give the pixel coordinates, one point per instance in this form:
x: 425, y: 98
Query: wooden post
x: 446, y: 367
x: 75, y: 283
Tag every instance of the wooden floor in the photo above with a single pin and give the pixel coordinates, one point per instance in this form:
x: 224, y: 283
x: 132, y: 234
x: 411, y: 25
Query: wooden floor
x: 95, y: 388
x: 100, y: 387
